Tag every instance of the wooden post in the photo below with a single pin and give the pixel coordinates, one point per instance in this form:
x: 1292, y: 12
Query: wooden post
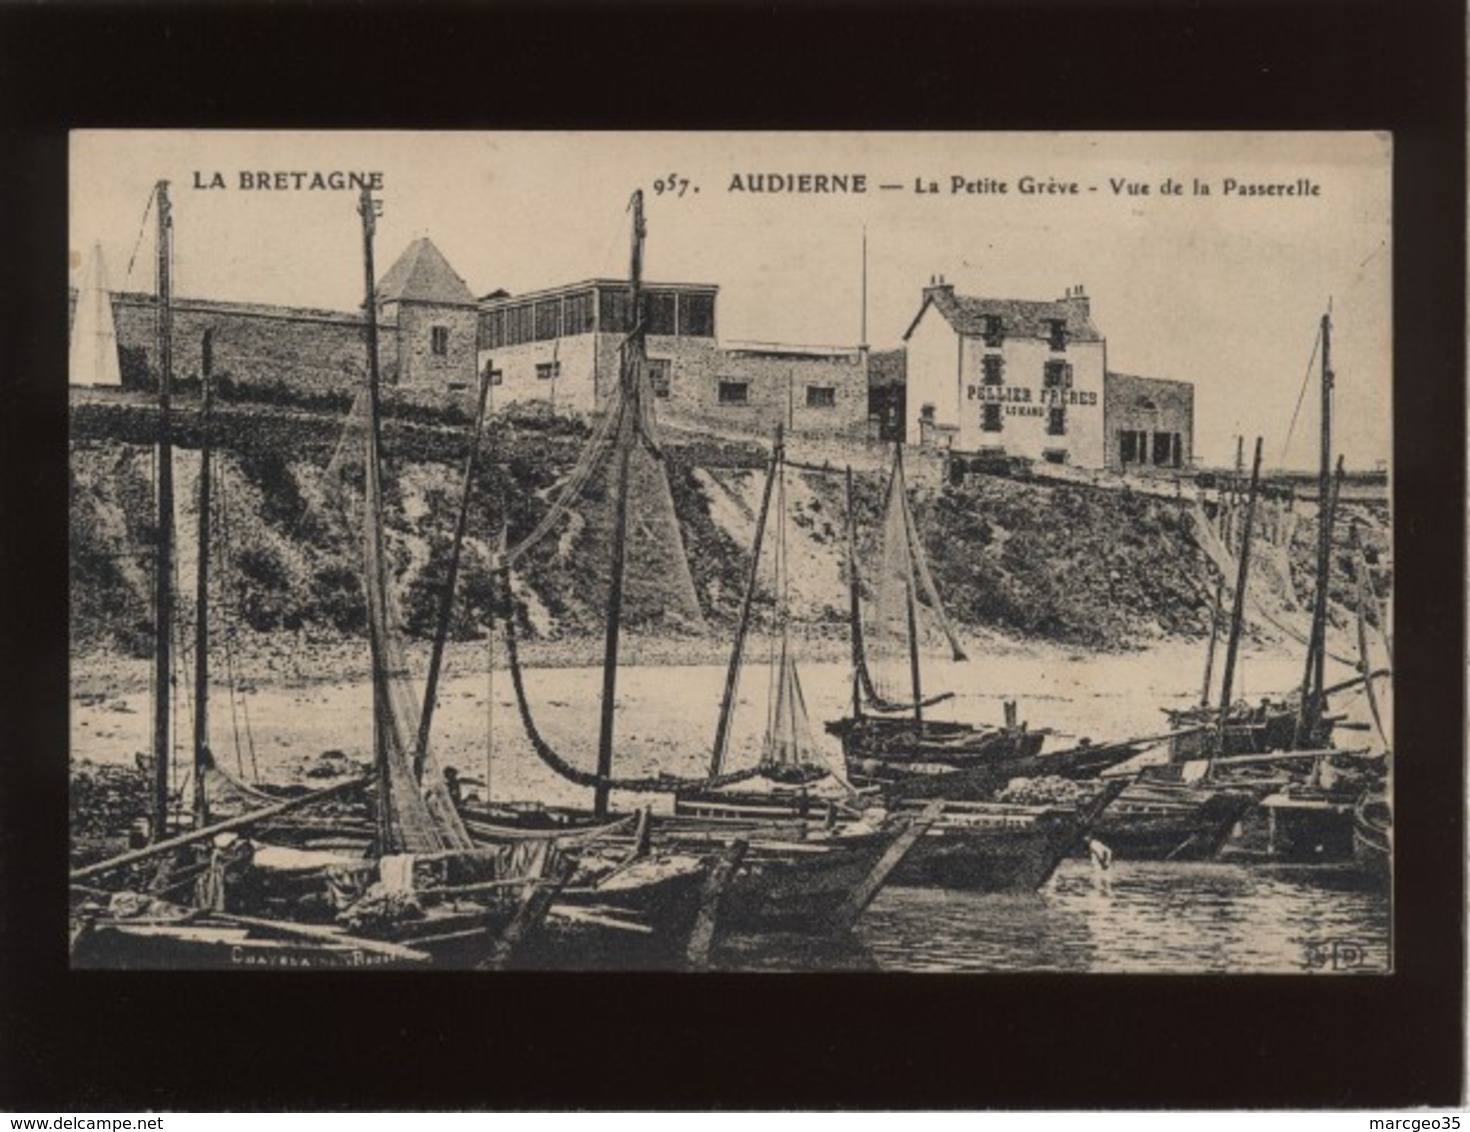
x: 702, y: 938
x: 536, y: 901
x: 163, y: 559
x: 861, y: 896
x: 201, y: 596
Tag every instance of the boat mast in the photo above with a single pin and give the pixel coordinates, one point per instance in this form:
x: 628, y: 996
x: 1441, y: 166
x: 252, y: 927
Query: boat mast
x: 368, y: 209
x: 732, y: 677
x: 901, y: 488
x: 1312, y: 679
x: 201, y: 607
x: 446, y: 595
x: 629, y: 430
x: 855, y: 610
x: 163, y: 569
x: 1237, y: 611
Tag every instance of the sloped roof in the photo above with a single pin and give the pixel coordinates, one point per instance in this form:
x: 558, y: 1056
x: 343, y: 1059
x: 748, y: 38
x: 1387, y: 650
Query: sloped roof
x: 1020, y: 318
x: 423, y: 275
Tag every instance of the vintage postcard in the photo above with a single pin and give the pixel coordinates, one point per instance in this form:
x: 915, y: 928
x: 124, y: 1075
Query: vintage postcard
x: 732, y: 551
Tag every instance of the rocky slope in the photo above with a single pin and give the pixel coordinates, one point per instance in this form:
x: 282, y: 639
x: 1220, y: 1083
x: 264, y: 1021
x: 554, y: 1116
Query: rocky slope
x: 1067, y: 562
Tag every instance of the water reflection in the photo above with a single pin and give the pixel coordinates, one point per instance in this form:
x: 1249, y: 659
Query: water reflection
x: 1159, y: 917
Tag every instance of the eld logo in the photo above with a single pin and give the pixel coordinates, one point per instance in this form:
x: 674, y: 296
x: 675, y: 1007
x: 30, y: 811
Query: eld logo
x: 1336, y: 954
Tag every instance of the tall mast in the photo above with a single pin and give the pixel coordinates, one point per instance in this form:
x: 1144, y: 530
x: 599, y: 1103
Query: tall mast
x: 201, y: 596
x: 1317, y: 640
x: 1237, y: 611
x: 732, y: 677
x: 1313, y: 693
x: 446, y: 595
x: 372, y: 527
x: 855, y: 611
x: 163, y: 570
x: 864, y: 343
x: 629, y: 431
x: 900, y: 487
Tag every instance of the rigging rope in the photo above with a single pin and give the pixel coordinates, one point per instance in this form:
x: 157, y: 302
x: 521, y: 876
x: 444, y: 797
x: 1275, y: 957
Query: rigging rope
x: 662, y: 783
x: 1306, y: 377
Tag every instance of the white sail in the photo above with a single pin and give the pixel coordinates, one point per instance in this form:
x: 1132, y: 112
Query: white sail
x: 93, y: 333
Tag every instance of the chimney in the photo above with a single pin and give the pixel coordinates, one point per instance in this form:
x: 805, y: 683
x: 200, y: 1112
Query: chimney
x: 938, y: 287
x: 1076, y: 298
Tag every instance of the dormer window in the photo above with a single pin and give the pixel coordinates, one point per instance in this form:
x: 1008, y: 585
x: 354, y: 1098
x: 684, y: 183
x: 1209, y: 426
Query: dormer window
x: 1058, y: 340
x: 995, y: 330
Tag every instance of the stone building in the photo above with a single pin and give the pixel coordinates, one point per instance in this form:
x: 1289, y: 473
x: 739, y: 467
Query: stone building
x: 561, y: 346
x: 426, y: 334
x: 1149, y: 422
x: 1012, y: 377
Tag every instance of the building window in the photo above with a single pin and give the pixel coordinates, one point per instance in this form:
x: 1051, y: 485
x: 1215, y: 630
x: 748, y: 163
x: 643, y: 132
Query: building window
x: 616, y: 313
x: 439, y: 340
x: 492, y: 330
x: 995, y: 330
x: 548, y: 371
x: 1057, y: 375
x: 658, y: 311
x: 990, y: 418
x: 1133, y: 445
x: 734, y: 393
x: 548, y: 320
x: 994, y: 366
x: 1056, y: 421
x: 658, y: 376
x: 577, y: 313
x: 696, y: 316
x: 1166, y: 449
x: 1054, y: 455
x: 821, y: 397
x: 1058, y: 340
x: 519, y: 324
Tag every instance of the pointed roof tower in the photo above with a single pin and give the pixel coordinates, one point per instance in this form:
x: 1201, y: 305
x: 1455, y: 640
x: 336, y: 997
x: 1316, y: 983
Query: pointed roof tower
x: 423, y: 275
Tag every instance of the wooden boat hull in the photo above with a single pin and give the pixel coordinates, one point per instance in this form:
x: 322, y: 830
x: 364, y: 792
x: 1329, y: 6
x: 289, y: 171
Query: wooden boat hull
x: 799, y: 886
x: 891, y: 740
x: 1373, y: 834
x: 1153, y: 821
x: 994, y: 847
x: 981, y: 782
x: 1299, y: 825
x: 643, y: 925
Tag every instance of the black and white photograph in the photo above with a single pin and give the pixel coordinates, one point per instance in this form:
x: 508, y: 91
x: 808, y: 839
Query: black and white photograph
x: 731, y: 552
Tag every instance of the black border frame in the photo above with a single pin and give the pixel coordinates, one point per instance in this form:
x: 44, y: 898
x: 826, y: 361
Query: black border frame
x: 94, y: 1041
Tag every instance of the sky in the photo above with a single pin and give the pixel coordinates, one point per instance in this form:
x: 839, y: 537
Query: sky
x: 1223, y: 290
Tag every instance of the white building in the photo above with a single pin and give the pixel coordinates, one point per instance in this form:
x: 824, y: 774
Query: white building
x: 1010, y: 376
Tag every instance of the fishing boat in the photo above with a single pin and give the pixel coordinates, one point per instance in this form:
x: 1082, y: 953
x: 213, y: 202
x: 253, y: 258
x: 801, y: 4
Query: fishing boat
x: 422, y: 892
x: 800, y: 873
x: 780, y: 870
x: 1000, y: 847
x: 1284, y: 746
x: 882, y: 729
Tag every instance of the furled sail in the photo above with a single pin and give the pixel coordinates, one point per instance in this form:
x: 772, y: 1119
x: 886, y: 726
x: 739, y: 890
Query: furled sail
x: 905, y: 599
x: 93, y: 359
